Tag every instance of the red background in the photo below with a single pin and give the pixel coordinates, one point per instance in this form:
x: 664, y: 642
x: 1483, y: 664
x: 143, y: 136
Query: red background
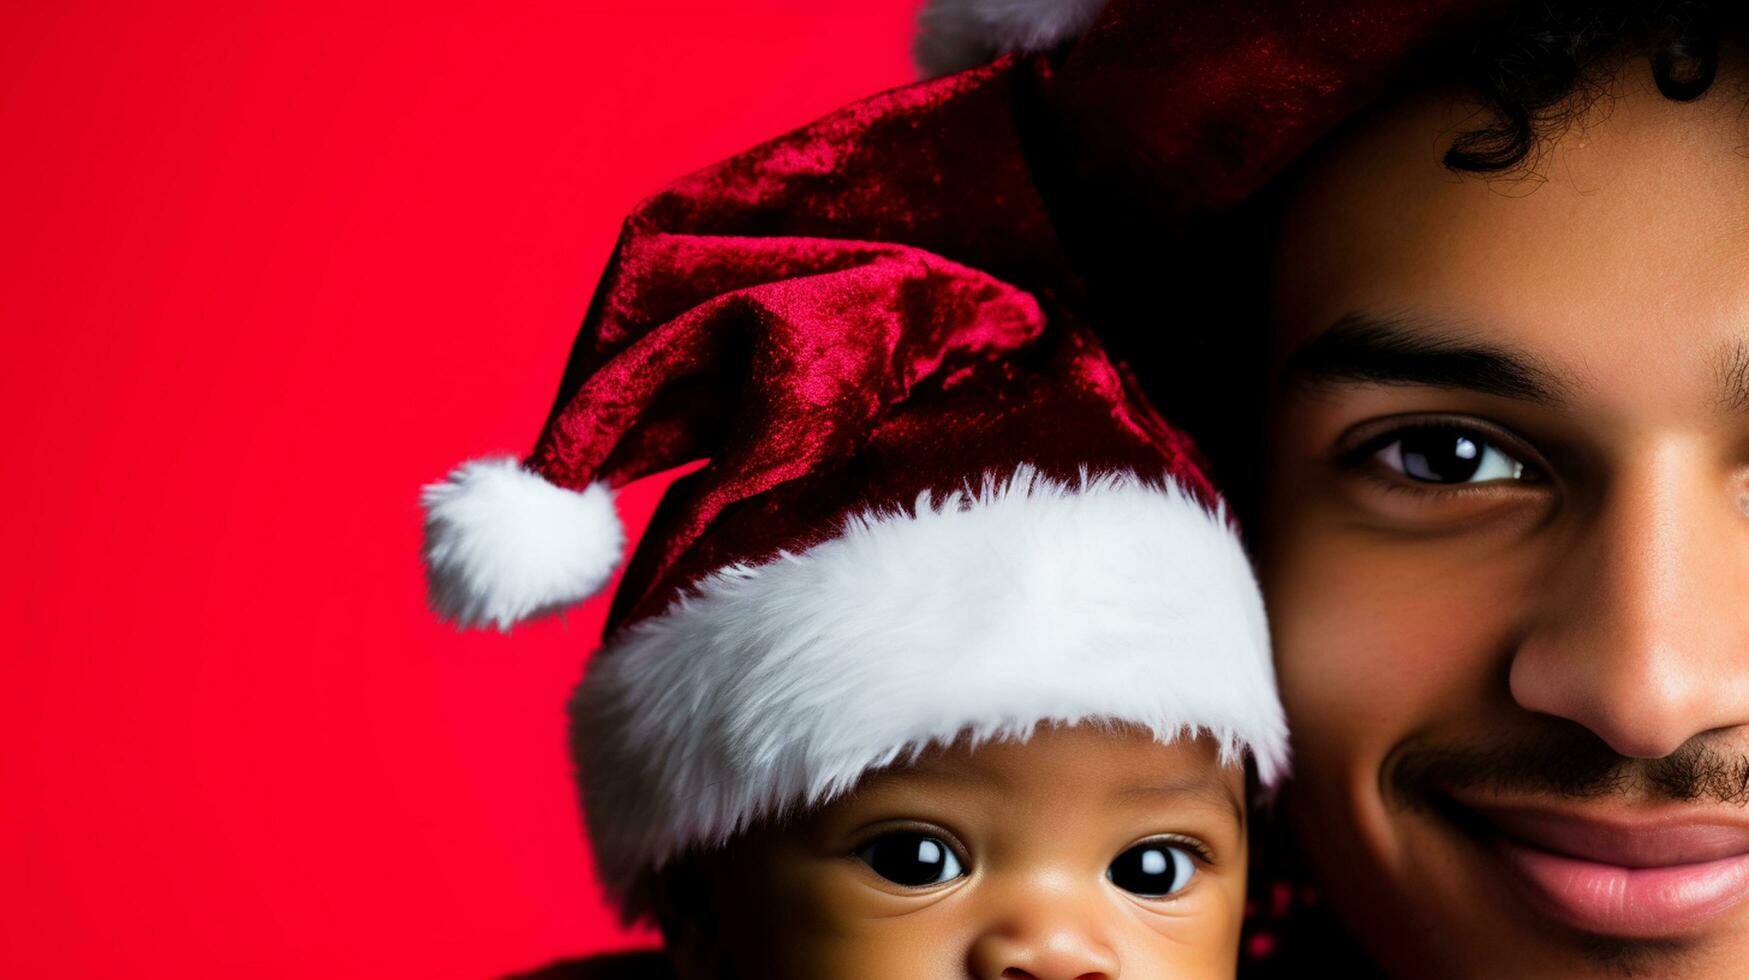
x: 264, y: 275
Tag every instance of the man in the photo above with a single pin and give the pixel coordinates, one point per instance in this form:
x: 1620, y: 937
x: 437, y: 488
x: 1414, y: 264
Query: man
x: 1507, y: 547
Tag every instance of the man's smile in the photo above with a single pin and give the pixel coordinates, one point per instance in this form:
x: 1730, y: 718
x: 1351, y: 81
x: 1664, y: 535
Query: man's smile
x: 1609, y: 870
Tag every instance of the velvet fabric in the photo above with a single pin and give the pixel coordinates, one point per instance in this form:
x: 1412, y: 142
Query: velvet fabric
x: 859, y: 377
x: 793, y: 315
x: 767, y: 312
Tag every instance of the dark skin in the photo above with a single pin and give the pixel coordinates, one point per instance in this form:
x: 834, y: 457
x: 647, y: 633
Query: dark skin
x: 1049, y: 854
x: 1506, y: 541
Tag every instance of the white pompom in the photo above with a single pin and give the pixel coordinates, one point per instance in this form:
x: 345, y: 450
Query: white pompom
x: 954, y: 35
x: 502, y: 545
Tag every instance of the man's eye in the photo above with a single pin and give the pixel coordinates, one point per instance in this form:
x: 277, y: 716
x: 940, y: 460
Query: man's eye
x: 1152, y: 869
x: 911, y: 858
x: 1449, y: 456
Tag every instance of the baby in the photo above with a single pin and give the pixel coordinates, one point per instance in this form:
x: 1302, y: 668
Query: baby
x: 947, y: 664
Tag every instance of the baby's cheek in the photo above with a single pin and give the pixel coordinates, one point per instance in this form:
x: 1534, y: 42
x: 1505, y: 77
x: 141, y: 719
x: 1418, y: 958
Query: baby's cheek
x: 1195, y: 937
x: 814, y: 919
x: 890, y: 952
x: 826, y: 941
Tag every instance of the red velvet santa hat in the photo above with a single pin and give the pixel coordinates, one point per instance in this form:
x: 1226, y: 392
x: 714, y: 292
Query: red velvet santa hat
x: 872, y: 330
x: 927, y: 514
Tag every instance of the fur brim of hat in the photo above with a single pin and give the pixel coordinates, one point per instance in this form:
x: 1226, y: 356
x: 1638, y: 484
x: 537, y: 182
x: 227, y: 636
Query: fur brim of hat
x: 985, y: 613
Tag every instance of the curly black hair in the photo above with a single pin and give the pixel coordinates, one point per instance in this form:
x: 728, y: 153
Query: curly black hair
x: 1549, y: 61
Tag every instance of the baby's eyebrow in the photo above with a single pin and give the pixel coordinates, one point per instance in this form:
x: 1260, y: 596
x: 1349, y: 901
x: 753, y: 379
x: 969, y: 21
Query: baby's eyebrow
x: 939, y: 770
x: 1208, y: 790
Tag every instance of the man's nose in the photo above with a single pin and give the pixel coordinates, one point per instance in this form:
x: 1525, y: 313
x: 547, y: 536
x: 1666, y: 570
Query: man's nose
x: 1639, y: 632
x: 1044, y: 931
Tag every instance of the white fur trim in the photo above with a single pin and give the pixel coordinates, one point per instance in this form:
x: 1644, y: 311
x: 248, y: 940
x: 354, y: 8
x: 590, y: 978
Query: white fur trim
x: 503, y: 545
x: 953, y: 35
x: 989, y: 612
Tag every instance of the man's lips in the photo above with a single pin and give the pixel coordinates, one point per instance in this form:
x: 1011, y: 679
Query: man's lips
x: 1628, y: 843
x: 1619, y: 872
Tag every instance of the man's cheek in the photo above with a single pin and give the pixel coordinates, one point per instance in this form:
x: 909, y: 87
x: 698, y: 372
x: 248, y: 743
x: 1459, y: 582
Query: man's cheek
x: 1379, y: 638
x: 1377, y: 642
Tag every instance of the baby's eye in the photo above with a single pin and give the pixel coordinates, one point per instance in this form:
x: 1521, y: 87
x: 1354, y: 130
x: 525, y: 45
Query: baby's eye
x: 911, y: 858
x: 1152, y: 869
x: 1447, y: 455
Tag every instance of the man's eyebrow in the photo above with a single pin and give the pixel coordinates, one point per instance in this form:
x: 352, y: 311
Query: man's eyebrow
x: 1368, y: 349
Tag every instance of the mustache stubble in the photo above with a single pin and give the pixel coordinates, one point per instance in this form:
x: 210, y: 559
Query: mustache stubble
x: 1572, y: 764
